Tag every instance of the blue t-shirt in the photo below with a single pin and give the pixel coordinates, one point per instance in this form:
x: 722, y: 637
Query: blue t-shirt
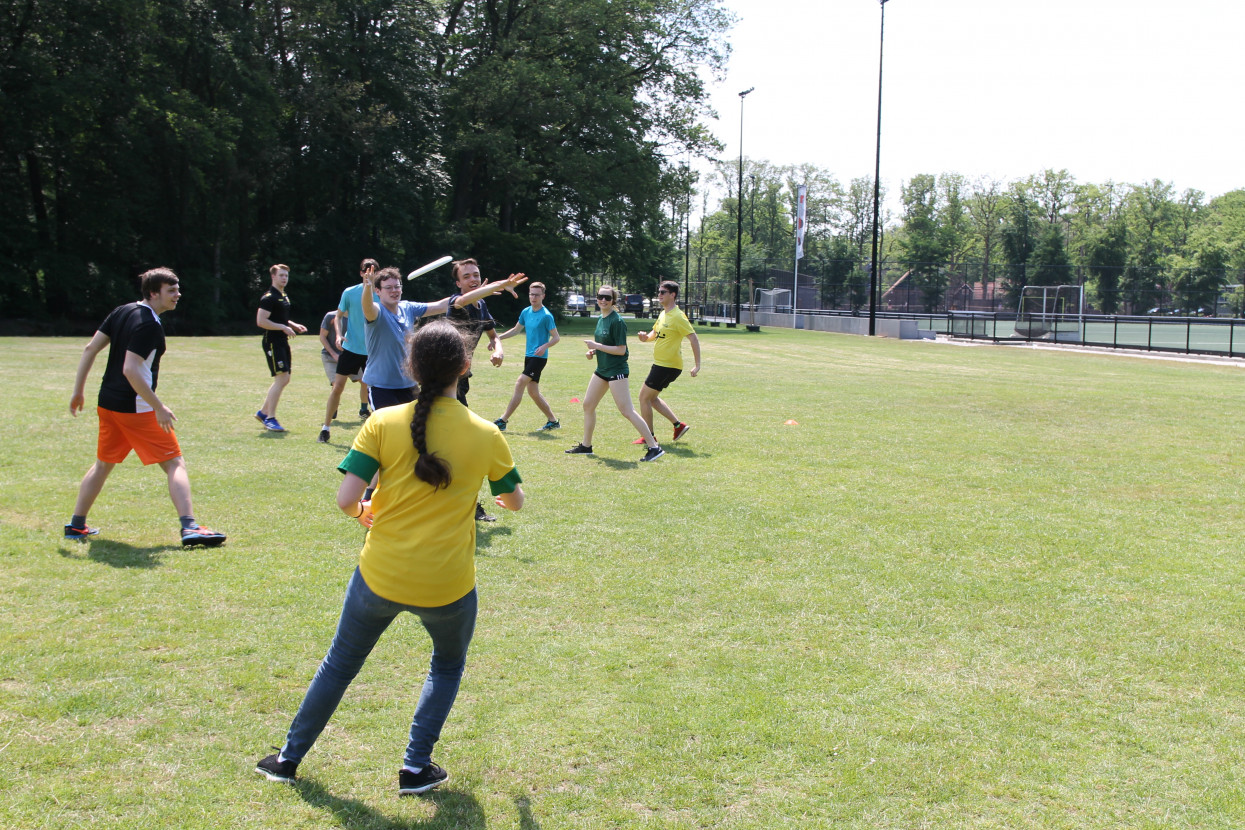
x: 386, y: 345
x: 352, y: 304
x: 536, y: 325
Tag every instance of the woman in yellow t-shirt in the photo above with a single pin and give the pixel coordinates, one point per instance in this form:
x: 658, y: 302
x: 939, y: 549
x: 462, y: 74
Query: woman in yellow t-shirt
x: 419, y: 554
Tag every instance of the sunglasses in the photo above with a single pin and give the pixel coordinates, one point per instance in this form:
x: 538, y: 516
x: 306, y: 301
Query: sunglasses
x: 604, y: 298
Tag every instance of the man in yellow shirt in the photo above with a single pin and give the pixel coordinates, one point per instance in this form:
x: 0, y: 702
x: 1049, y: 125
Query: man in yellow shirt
x: 671, y: 328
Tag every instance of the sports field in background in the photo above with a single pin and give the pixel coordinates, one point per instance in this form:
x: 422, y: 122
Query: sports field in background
x: 971, y: 587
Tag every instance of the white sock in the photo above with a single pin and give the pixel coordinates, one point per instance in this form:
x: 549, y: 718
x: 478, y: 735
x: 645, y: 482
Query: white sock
x: 412, y: 770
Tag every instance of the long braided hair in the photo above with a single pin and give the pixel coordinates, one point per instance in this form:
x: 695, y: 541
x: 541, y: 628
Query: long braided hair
x: 437, y: 356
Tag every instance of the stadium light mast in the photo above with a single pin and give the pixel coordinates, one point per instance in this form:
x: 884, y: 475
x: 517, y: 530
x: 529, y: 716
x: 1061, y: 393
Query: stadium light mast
x: 739, y: 206
x: 877, y: 172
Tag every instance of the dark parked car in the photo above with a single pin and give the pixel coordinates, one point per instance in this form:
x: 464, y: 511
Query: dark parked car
x: 635, y: 304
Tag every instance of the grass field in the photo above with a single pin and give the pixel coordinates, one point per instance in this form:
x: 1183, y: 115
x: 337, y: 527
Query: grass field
x: 973, y: 587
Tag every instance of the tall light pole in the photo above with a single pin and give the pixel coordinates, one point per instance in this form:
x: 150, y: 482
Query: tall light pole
x: 739, y: 205
x: 877, y: 172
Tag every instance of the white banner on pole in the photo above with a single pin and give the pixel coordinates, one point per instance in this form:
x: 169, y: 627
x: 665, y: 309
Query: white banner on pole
x: 799, y: 220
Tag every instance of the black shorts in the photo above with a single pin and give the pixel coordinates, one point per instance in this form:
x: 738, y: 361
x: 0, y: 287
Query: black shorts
x: 611, y: 378
x: 349, y: 363
x: 533, y: 366
x: 380, y: 397
x: 277, y: 351
x: 659, y: 377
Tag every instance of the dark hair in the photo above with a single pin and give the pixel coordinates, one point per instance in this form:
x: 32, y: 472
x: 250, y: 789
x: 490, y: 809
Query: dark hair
x: 437, y: 355
x: 389, y: 273
x: 369, y: 263
x: 457, y: 266
x: 155, y: 279
x: 671, y: 287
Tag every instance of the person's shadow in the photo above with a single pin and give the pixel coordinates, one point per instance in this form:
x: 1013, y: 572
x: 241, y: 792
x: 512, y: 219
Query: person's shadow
x: 454, y: 809
x: 117, y: 554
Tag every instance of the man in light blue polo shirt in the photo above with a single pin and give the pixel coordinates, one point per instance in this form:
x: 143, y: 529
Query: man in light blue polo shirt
x: 389, y: 322
x: 352, y: 344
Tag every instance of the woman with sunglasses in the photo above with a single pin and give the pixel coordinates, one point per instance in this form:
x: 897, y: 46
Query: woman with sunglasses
x: 610, y: 349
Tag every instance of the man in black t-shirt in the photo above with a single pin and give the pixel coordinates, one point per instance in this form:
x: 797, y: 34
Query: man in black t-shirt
x: 131, y: 416
x: 274, y: 318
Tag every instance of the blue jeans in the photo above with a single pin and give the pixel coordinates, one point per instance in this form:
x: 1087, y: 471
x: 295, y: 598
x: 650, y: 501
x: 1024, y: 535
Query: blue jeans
x: 365, y: 616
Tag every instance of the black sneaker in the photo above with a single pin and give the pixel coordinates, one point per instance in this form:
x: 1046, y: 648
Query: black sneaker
x: 324, y: 435
x: 274, y: 769
x: 501, y: 424
x: 579, y: 449
x: 653, y: 454
x: 364, y: 412
x: 414, y: 783
x: 481, y: 516
x: 551, y: 425
x: 80, y: 534
x: 201, y: 536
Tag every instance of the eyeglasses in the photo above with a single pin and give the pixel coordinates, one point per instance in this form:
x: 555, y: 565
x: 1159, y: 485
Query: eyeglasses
x: 604, y: 298
x: 397, y: 286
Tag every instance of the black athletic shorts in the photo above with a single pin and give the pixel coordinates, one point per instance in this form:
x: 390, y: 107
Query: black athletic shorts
x: 381, y: 397
x: 533, y: 366
x: 659, y: 377
x: 609, y: 379
x: 350, y: 363
x: 277, y: 351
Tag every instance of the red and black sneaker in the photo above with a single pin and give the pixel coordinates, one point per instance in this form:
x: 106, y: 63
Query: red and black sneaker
x: 201, y: 536
x: 680, y: 429
x: 80, y: 534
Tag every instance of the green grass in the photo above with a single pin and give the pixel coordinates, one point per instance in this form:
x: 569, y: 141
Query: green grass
x: 973, y: 587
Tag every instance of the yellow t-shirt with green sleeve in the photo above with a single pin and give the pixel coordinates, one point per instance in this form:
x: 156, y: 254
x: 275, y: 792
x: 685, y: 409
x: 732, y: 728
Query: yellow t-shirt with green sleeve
x: 421, y: 548
x: 670, y: 329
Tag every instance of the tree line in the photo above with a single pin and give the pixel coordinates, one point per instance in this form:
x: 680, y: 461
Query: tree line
x: 1133, y: 246
x: 220, y: 136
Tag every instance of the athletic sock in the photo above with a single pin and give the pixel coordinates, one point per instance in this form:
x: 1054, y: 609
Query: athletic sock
x: 188, y: 522
x: 78, y: 522
x: 412, y: 770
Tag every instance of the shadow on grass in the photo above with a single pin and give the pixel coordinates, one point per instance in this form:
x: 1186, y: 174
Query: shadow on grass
x: 117, y: 554
x: 526, y: 822
x: 486, y: 531
x: 453, y: 809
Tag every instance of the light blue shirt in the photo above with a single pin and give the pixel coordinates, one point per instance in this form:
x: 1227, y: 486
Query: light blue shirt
x: 536, y: 325
x: 352, y: 304
x: 386, y: 345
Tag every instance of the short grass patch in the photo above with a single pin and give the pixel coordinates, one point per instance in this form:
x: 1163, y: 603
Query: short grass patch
x: 979, y: 587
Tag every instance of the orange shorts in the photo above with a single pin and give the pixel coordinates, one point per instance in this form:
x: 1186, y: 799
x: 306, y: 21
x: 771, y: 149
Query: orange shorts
x: 120, y: 432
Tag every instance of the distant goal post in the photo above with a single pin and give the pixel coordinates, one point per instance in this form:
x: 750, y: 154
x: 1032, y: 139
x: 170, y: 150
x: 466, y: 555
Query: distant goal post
x: 1051, y: 312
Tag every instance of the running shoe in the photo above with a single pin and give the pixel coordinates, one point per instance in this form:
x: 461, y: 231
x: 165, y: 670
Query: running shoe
x: 415, y: 783
x: 551, y: 425
x: 364, y: 412
x: 653, y: 454
x: 680, y: 429
x: 579, y: 449
x: 201, y: 536
x: 80, y: 534
x: 501, y: 424
x: 273, y: 425
x: 274, y: 769
x: 324, y: 435
x: 639, y: 441
x: 481, y: 516
x: 261, y: 417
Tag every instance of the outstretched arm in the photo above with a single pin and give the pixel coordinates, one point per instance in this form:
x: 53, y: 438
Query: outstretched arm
x: 370, y: 312
x: 490, y: 288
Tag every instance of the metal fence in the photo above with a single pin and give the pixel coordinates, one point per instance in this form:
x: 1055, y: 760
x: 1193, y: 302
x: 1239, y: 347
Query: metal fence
x: 1188, y: 335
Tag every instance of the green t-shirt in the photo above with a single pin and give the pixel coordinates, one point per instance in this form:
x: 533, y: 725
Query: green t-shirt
x: 611, y: 331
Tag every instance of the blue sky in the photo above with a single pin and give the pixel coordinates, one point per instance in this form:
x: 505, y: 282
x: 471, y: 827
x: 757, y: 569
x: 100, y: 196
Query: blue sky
x: 1109, y: 90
